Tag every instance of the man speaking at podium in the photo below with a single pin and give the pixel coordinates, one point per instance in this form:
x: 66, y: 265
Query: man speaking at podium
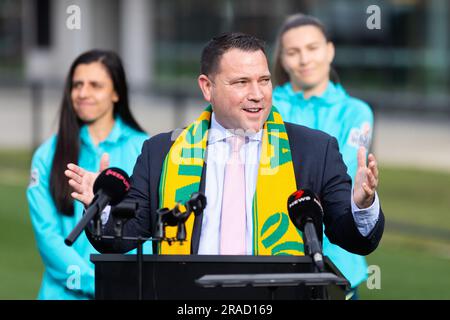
x: 247, y: 161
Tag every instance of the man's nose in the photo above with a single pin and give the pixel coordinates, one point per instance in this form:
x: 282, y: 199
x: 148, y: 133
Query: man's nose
x: 256, y: 93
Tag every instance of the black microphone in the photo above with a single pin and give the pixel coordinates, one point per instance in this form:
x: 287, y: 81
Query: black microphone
x: 178, y: 216
x: 197, y: 203
x: 110, y: 187
x: 306, y: 213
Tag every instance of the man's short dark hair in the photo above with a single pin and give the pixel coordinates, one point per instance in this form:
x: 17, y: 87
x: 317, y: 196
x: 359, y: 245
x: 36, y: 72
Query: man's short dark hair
x: 217, y: 46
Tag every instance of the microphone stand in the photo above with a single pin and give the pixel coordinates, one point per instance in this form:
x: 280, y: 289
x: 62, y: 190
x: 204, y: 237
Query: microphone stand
x: 92, y: 214
x: 139, y: 256
x: 313, y: 247
x: 123, y: 212
x: 127, y: 210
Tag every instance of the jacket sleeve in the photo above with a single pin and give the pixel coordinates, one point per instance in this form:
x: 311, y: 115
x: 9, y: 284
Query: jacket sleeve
x: 340, y: 227
x: 59, y: 259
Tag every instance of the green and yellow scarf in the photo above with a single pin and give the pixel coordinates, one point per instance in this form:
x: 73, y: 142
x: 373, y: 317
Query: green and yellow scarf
x: 273, y: 234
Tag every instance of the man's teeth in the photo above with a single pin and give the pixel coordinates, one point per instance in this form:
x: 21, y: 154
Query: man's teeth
x: 252, y: 109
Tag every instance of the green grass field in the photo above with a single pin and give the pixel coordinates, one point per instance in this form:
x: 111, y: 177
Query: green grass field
x: 414, y: 258
x: 414, y: 255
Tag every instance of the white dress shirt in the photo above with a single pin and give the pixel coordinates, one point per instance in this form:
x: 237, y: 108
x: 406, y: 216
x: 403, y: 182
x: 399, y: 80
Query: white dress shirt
x: 217, y: 154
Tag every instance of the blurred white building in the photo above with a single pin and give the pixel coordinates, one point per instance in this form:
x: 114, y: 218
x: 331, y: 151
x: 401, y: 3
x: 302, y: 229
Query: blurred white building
x: 56, y: 31
x: 404, y: 66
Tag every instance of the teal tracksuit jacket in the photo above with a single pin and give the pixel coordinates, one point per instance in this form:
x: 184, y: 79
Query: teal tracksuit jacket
x: 68, y: 272
x: 350, y: 121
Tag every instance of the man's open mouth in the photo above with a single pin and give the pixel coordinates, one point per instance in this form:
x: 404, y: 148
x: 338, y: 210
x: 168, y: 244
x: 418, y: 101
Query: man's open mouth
x: 252, y: 110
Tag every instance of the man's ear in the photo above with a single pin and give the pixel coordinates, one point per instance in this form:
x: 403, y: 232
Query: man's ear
x: 205, y: 85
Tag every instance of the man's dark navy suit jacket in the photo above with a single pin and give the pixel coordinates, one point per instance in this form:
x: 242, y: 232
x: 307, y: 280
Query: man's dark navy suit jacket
x: 318, y: 166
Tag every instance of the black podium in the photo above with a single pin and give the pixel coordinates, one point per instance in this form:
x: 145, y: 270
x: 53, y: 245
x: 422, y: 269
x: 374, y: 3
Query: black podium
x: 203, y: 277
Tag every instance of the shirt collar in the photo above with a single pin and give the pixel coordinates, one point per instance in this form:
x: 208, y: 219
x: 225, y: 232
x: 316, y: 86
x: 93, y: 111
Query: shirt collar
x: 218, y: 133
x: 119, y: 129
x: 334, y: 92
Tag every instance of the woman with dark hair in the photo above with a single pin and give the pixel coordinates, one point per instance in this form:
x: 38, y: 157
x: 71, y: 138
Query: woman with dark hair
x: 308, y: 93
x: 95, y: 123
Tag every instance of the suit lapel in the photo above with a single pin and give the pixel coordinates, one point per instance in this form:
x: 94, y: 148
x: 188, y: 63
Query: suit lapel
x: 198, y: 219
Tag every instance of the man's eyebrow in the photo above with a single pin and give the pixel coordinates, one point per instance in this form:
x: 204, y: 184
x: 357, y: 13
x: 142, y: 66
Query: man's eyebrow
x: 238, y: 78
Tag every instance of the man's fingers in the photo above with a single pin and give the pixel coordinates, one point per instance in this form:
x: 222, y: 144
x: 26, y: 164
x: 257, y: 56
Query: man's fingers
x: 368, y: 190
x: 361, y: 157
x: 373, y: 182
x: 86, y: 200
x: 368, y: 176
x: 77, y: 196
x: 72, y: 175
x: 374, y: 170
x: 78, y: 170
x: 104, y: 161
x: 373, y: 165
x: 76, y: 186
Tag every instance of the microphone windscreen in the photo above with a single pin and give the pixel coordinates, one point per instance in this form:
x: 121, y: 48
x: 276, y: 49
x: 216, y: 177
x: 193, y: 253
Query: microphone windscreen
x: 114, y: 182
x: 197, y: 202
x: 304, y: 204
